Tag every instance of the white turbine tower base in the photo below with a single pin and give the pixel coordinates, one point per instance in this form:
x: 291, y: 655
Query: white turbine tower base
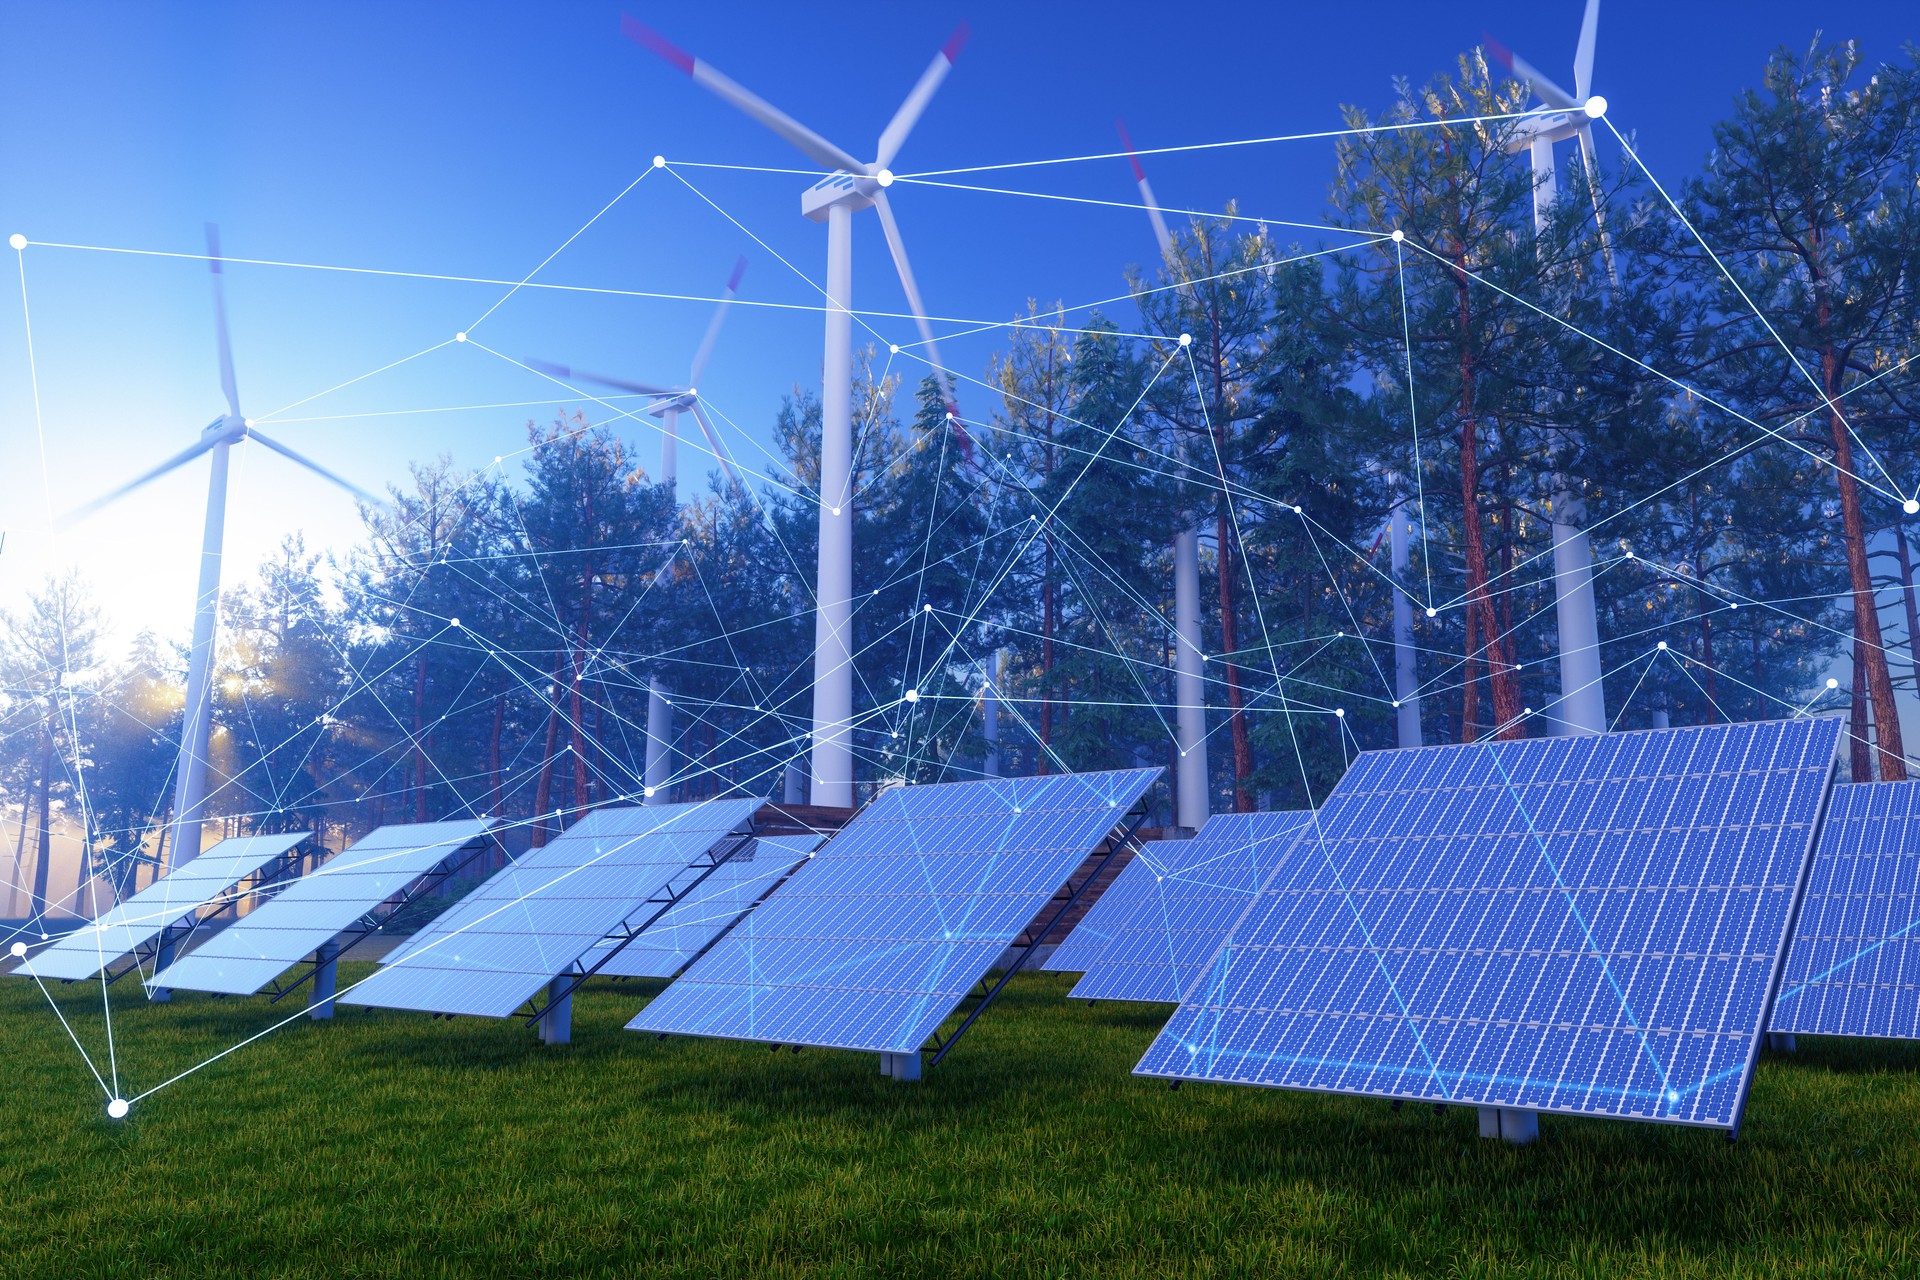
x: 849, y: 187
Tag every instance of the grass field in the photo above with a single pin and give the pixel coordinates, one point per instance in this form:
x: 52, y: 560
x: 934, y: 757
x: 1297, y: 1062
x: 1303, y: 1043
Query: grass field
x: 394, y: 1145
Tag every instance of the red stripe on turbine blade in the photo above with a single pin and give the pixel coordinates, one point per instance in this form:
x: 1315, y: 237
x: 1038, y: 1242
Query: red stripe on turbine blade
x: 739, y: 269
x: 956, y: 42
x: 1139, y: 174
x: 646, y: 37
x: 1501, y: 54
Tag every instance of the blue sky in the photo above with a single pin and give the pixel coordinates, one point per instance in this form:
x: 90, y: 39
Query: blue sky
x: 472, y: 140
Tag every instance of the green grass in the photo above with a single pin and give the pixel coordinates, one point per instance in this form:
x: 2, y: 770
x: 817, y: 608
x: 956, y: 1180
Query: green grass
x: 394, y: 1145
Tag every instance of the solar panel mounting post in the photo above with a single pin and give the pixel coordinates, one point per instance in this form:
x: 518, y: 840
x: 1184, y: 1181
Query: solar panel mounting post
x: 1510, y: 1124
x: 1781, y: 1042
x: 556, y: 1020
x: 326, y: 963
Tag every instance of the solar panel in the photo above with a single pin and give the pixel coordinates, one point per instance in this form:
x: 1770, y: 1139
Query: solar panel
x: 532, y: 921
x: 1162, y: 919
x: 1591, y: 925
x: 263, y: 944
x: 711, y: 909
x: 142, y: 918
x: 880, y: 935
x: 1854, y: 967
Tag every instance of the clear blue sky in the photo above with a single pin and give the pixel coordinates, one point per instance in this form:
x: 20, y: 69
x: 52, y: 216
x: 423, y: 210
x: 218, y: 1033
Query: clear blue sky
x: 471, y: 140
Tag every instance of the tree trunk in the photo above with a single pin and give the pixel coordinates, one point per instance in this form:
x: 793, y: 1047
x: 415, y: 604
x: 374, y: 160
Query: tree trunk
x: 1470, y: 684
x: 1229, y: 646
x: 1866, y: 613
x: 1906, y: 595
x: 419, y: 731
x: 19, y: 855
x: 1859, y: 757
x: 543, y: 789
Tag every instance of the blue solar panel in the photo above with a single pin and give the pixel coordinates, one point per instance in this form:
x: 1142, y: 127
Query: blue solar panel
x: 710, y: 910
x: 532, y: 922
x: 1591, y: 925
x: 1162, y: 919
x: 880, y: 935
x: 1854, y: 967
x: 142, y: 918
x: 261, y: 945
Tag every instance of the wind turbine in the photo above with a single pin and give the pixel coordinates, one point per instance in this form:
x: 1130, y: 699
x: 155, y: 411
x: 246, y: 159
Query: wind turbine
x: 850, y: 187
x: 1191, y: 802
x: 668, y: 405
x: 1582, y: 707
x: 216, y: 439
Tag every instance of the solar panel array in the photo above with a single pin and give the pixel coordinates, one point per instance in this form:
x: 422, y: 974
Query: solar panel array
x: 533, y: 920
x: 1854, y: 967
x: 711, y: 909
x: 1590, y: 925
x: 1162, y: 919
x: 879, y: 936
x: 260, y: 946
x: 146, y: 915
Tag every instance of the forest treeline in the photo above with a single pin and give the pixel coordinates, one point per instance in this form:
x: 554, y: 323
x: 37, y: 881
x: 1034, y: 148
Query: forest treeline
x: 1722, y: 382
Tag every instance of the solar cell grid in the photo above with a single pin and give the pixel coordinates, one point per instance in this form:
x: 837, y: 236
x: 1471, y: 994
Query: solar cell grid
x: 257, y: 948
x: 533, y: 921
x: 1854, y: 966
x: 1589, y: 925
x: 877, y: 939
x: 1162, y: 919
x: 143, y: 917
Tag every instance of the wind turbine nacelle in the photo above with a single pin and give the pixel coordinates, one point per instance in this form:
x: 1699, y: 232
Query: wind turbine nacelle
x: 1549, y: 128
x: 226, y: 426
x: 852, y: 190
x: 671, y: 404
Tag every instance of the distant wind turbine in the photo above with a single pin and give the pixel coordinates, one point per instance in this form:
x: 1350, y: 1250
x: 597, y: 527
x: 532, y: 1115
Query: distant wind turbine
x: 669, y: 404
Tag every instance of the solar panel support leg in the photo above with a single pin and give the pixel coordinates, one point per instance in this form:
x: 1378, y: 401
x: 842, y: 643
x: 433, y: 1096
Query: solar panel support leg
x: 900, y: 1066
x: 556, y: 1021
x: 1781, y: 1042
x: 1510, y: 1124
x: 326, y: 964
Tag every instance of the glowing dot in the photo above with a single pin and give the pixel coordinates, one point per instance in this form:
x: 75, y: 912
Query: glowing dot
x: 1526, y: 711
x: 926, y: 608
x: 659, y: 162
x: 913, y: 695
x: 894, y: 348
x: 1662, y: 646
x: 1340, y: 712
x: 460, y: 337
x: 1398, y: 235
x: 1733, y: 604
x: 1431, y: 613
x: 693, y: 391
x: 1597, y: 107
x: 454, y: 623
x: 1832, y: 683
x: 496, y: 459
x: 950, y: 418
x: 1673, y: 1095
x: 836, y: 511
x: 1186, y: 339
x: 1911, y: 506
x: 247, y: 421
x: 117, y: 1108
x: 884, y: 177
x: 19, y: 948
x: 1396, y: 702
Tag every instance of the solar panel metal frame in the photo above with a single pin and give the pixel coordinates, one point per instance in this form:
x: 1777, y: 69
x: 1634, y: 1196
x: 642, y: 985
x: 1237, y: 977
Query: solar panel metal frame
x: 340, y: 897
x: 454, y: 985
x: 1842, y: 926
x: 744, y: 885
x: 180, y: 918
x: 1811, y: 761
x: 815, y: 882
x: 1160, y: 922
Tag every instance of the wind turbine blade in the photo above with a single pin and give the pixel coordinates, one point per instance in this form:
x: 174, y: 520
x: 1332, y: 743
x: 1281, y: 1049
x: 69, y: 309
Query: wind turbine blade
x: 567, y: 374
x: 703, y: 74
x: 314, y: 467
x: 1550, y: 93
x: 1592, y: 162
x: 701, y: 356
x: 1160, y: 233
x: 186, y: 455
x: 713, y: 443
x: 916, y: 101
x: 1583, y: 57
x: 904, y: 269
x: 227, y: 383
